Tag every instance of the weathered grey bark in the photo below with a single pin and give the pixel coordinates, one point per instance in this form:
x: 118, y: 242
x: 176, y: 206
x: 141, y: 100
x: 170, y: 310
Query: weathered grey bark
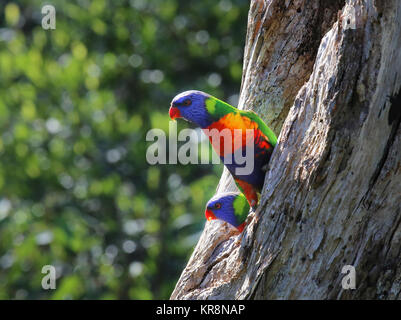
x: 332, y: 195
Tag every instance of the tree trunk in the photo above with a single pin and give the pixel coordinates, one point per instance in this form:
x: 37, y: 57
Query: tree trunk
x: 327, y: 74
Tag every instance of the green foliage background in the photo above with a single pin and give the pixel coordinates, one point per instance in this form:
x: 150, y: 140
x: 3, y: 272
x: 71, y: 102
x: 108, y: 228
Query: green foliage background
x: 76, y: 103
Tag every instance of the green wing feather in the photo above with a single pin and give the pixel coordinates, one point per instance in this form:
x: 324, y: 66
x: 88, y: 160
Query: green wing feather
x: 262, y: 126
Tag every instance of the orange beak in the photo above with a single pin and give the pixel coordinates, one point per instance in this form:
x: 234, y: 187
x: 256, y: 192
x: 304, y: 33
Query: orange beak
x: 174, y: 113
x: 209, y: 215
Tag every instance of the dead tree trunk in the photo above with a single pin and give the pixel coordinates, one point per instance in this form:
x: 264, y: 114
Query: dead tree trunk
x: 327, y: 74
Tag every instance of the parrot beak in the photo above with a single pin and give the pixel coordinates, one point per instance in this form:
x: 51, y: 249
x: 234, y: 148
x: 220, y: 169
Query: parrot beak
x: 209, y: 215
x: 174, y: 113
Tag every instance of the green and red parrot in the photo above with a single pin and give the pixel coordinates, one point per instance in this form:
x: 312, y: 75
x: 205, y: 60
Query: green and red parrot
x: 211, y: 113
x: 231, y: 207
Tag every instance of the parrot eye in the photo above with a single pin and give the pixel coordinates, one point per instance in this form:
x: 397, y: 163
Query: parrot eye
x: 217, y: 205
x: 187, y: 102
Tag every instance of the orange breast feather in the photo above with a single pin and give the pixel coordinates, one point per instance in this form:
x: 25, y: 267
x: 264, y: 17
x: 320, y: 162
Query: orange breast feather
x: 234, y: 126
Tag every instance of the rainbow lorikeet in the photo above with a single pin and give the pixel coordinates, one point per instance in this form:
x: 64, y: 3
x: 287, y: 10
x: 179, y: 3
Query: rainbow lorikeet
x: 231, y: 207
x: 211, y: 113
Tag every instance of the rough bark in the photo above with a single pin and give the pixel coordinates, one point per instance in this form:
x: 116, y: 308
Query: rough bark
x: 332, y: 194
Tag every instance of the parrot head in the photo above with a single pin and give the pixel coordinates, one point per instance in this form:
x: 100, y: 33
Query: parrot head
x: 191, y: 106
x: 228, y: 207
